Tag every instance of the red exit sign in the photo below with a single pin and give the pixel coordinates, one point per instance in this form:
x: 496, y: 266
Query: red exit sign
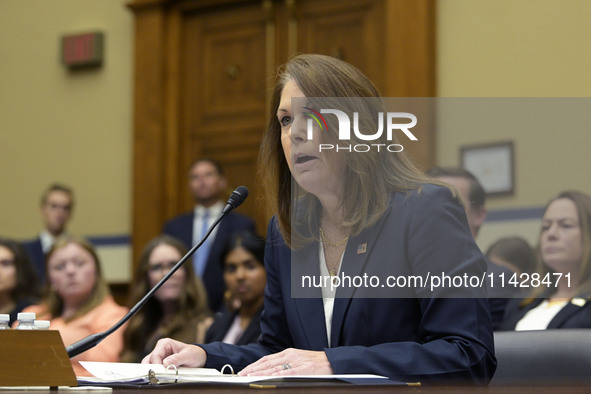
x: 82, y: 49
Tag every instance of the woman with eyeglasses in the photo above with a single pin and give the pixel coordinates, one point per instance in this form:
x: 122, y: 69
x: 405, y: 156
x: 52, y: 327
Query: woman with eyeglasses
x: 177, y: 310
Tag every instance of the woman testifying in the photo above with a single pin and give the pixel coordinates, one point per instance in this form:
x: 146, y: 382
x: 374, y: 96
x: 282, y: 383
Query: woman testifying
x: 352, y: 213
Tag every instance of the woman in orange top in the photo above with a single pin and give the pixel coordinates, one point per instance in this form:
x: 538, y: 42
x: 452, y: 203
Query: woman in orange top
x: 78, y: 302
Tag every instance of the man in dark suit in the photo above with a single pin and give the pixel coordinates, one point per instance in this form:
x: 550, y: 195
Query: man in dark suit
x: 56, y: 206
x: 207, y: 184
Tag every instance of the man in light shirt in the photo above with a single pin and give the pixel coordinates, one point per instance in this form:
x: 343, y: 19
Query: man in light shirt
x: 56, y: 206
x: 207, y: 185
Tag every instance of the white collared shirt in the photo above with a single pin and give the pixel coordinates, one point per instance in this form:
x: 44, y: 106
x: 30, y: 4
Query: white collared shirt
x: 47, y: 240
x: 234, y: 332
x: 327, y: 294
x: 539, y: 317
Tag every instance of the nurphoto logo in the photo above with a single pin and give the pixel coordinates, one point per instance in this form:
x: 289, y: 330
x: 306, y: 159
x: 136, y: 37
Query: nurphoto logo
x: 392, y: 121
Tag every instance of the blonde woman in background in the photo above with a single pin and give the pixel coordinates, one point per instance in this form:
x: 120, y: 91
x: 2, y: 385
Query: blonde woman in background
x: 78, y: 302
x: 560, y: 296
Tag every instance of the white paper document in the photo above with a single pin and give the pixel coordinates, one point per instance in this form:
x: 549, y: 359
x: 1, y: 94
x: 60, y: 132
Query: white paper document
x: 156, y: 373
x: 141, y: 373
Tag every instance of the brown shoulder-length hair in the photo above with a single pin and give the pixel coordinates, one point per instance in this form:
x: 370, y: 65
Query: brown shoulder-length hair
x: 370, y: 177
x: 27, y: 282
x: 99, y: 292
x: 193, y: 300
x: 582, y: 202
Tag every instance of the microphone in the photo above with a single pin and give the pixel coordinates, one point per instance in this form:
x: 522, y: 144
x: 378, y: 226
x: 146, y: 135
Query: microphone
x: 236, y: 198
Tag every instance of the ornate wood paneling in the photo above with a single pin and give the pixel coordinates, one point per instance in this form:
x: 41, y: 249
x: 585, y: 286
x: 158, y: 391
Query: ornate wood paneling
x: 224, y: 91
x: 203, y: 72
x: 350, y: 30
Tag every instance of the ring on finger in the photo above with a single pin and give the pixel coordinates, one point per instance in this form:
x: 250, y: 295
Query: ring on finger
x: 286, y: 366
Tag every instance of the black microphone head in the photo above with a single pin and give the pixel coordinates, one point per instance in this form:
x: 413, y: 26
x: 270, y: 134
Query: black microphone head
x: 238, y: 196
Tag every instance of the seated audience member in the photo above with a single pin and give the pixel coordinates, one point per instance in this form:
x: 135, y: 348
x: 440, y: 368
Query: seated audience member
x: 19, y: 286
x: 341, y: 213
x: 245, y: 277
x: 514, y: 253
x: 56, y: 206
x: 78, y: 302
x: 177, y: 310
x: 560, y: 298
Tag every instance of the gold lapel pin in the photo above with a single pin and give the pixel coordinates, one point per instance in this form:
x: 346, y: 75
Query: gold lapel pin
x: 578, y: 301
x: 362, y: 248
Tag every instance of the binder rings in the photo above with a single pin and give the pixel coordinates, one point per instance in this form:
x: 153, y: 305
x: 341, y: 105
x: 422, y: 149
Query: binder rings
x: 136, y: 375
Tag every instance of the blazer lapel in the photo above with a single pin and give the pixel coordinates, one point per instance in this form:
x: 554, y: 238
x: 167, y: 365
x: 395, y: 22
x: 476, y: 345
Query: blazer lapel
x: 357, y: 256
x: 308, y: 303
x: 567, y: 312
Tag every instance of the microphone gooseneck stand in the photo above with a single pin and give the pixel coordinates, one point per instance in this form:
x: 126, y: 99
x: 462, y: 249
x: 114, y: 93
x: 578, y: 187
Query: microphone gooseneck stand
x: 236, y: 198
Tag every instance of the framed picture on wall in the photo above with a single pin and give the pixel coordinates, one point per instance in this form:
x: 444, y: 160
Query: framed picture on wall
x: 492, y: 164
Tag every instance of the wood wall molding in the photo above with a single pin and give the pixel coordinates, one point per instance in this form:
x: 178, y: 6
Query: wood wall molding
x: 203, y: 69
x: 150, y: 135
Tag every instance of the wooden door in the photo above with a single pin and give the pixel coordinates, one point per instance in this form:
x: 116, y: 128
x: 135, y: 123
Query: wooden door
x: 391, y: 41
x: 204, y: 70
x: 224, y: 93
x: 350, y: 30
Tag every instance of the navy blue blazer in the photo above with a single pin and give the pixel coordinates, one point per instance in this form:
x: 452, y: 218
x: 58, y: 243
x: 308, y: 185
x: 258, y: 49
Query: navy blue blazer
x: 35, y: 252
x: 427, y: 337
x: 181, y: 227
x: 575, y: 314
